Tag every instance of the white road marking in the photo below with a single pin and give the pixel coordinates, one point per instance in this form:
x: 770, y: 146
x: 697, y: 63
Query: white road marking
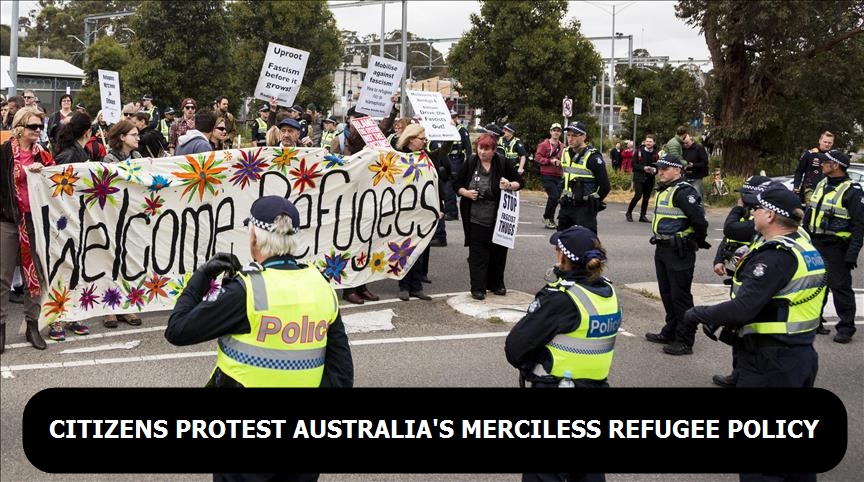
x: 113, y: 346
x: 625, y: 332
x: 94, y: 336
x: 530, y: 236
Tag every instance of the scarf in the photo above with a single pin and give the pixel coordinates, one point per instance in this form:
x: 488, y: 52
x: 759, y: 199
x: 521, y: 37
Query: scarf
x: 28, y: 269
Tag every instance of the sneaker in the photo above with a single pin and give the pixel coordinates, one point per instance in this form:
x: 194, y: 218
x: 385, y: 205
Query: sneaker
x: 677, y: 348
x: 78, y: 328
x: 725, y: 381
x: 842, y: 337
x: 423, y: 296
x: 57, y: 332
x: 658, y: 338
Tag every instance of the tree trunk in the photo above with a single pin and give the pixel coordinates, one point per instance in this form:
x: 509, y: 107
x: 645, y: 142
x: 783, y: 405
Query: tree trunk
x: 740, y: 157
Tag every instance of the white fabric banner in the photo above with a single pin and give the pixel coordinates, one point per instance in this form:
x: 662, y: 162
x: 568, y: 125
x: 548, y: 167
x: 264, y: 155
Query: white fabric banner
x: 281, y: 74
x: 109, y: 90
x: 434, y: 115
x: 123, y: 238
x: 507, y: 221
x: 383, y: 78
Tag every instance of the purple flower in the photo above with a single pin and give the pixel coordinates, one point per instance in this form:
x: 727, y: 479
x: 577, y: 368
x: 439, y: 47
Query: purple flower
x: 62, y: 223
x: 88, y: 299
x: 402, y: 252
x: 112, y: 297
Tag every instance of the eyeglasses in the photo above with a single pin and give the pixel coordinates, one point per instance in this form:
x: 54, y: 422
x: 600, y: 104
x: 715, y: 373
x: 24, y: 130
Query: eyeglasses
x: 133, y: 135
x: 34, y: 127
x: 220, y: 129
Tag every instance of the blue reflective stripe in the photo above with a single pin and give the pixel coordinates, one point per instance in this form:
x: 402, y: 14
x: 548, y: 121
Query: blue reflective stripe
x: 584, y: 347
x: 274, y: 364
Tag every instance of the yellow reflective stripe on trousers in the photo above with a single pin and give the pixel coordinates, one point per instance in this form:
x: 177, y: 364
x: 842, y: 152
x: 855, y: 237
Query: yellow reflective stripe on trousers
x: 779, y: 327
x: 262, y: 357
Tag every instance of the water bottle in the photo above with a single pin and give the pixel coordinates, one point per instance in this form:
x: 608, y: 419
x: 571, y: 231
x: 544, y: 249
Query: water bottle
x: 567, y: 381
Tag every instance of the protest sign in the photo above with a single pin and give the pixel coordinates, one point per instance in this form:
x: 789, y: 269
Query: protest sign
x: 281, y: 74
x: 383, y: 78
x: 368, y: 129
x: 507, y: 221
x: 109, y: 90
x: 126, y: 237
x: 434, y: 115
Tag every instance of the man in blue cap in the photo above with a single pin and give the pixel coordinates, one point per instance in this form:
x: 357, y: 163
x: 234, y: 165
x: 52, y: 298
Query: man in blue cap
x: 586, y: 182
x: 290, y: 130
x: 680, y: 229
x: 277, y: 320
x: 514, y: 150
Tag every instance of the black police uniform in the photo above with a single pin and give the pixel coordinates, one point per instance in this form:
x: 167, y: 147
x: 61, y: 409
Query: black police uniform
x: 574, y: 210
x: 841, y: 255
x: 674, y: 262
x: 808, y: 173
x: 460, y: 151
x: 226, y: 315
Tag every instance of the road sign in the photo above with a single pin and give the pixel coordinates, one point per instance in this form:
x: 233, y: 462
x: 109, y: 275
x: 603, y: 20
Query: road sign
x: 637, y: 105
x: 567, y: 107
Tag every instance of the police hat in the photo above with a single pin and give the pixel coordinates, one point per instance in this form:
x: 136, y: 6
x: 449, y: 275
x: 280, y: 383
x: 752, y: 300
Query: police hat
x: 777, y: 198
x: 578, y: 244
x: 146, y: 97
x: 576, y: 128
x: 494, y: 130
x: 454, y: 113
x: 290, y: 123
x: 670, y: 160
x: 170, y: 111
x: 752, y: 186
x: 296, y: 108
x: 509, y: 127
x: 264, y: 108
x: 265, y: 210
x: 835, y: 156
x: 330, y: 120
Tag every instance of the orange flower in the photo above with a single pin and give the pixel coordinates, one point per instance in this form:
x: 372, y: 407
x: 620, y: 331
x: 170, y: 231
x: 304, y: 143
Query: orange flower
x: 155, y: 287
x: 201, y: 175
x: 56, y: 307
x: 64, y: 182
x: 385, y: 167
x: 282, y: 161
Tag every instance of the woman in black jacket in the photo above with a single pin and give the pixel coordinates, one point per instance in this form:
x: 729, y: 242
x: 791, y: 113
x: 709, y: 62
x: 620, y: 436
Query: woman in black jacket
x: 72, y: 138
x: 479, y: 182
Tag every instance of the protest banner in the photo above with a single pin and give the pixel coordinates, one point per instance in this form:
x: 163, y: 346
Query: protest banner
x: 507, y: 220
x: 383, y: 78
x: 368, y: 129
x: 126, y: 237
x: 109, y: 91
x: 434, y: 115
x: 281, y: 74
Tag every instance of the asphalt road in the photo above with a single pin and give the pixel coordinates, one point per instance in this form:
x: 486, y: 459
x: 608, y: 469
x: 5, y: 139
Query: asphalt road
x: 412, y: 353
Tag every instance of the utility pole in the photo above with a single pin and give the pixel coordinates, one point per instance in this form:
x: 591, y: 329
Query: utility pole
x: 612, y: 81
x: 403, y: 108
x: 13, y: 51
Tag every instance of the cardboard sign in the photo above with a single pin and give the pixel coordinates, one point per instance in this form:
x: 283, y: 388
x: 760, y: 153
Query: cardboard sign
x: 507, y: 221
x: 126, y: 237
x: 281, y: 74
x: 383, y: 78
x: 434, y: 115
x: 368, y: 129
x: 109, y: 90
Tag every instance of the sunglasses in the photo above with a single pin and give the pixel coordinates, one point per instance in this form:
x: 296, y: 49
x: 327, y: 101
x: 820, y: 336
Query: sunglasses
x: 28, y: 96
x: 190, y: 107
x: 129, y: 115
x: 220, y: 129
x: 34, y: 127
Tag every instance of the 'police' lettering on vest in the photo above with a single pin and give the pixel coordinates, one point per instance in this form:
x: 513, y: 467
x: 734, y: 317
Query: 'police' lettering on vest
x: 292, y: 332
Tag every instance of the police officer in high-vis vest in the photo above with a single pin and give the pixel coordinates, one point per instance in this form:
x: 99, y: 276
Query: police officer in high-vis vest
x: 151, y: 110
x: 555, y: 338
x: 328, y: 132
x: 680, y: 229
x: 514, y: 150
x: 835, y: 221
x: 277, y: 321
x: 586, y: 182
x: 777, y: 295
x: 165, y: 123
x: 259, y: 126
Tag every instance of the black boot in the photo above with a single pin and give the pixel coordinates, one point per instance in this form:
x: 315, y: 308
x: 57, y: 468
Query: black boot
x: 33, y: 336
x: 629, y: 216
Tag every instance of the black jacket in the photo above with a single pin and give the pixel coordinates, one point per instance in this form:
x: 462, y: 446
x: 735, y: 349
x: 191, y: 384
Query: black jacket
x: 641, y: 159
x: 697, y: 161
x: 72, y: 154
x: 499, y: 169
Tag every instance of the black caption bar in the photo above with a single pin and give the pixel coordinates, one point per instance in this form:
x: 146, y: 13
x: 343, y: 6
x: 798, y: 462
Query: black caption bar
x: 417, y: 430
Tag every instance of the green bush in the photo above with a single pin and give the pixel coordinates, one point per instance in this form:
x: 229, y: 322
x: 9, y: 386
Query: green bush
x: 619, y: 180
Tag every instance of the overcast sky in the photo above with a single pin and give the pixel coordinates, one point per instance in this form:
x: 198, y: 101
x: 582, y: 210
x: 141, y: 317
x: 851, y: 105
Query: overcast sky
x: 652, y: 24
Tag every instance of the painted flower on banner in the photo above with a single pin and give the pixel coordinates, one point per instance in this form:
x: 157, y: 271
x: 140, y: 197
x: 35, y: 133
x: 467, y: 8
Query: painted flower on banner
x: 112, y: 297
x: 156, y: 287
x: 334, y: 160
x: 153, y: 204
x: 361, y: 259
x: 100, y: 187
x: 305, y: 177
x: 88, y: 298
x: 64, y: 182
x: 394, y: 269
x: 227, y: 155
x: 158, y: 183
x: 56, y: 307
x: 282, y: 161
x: 134, y: 295
x: 377, y: 264
x: 401, y: 252
x: 200, y: 175
x: 132, y: 168
x: 334, y: 266
x: 248, y: 168
x: 413, y: 164
x: 62, y: 223
x: 385, y: 167
x: 177, y: 285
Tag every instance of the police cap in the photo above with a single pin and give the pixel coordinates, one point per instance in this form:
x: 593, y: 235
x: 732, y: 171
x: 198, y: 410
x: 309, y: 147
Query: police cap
x: 578, y: 243
x: 264, y: 108
x: 170, y: 111
x: 779, y: 199
x: 509, y: 127
x: 670, y: 160
x: 835, y: 156
x: 494, y: 130
x: 265, y: 210
x: 576, y: 128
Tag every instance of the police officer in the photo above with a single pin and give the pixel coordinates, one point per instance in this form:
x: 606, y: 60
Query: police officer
x: 460, y: 151
x: 259, y: 127
x: 514, y: 150
x: 258, y: 314
x: 739, y: 231
x: 809, y: 170
x: 328, y: 132
x: 835, y: 221
x: 554, y: 339
x: 680, y: 229
x: 586, y: 182
x: 151, y: 110
x: 777, y: 295
x: 165, y: 123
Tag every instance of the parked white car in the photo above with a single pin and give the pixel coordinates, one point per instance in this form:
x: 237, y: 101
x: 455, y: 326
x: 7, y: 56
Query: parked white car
x: 855, y: 171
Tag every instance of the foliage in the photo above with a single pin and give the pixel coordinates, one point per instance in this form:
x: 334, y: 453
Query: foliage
x: 105, y: 54
x: 782, y: 75
x: 517, y: 62
x: 309, y: 26
x: 5, y: 39
x: 670, y: 97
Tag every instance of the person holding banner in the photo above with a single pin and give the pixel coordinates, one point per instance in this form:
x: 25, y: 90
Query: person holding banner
x: 259, y: 312
x: 572, y: 323
x: 122, y: 142
x: 20, y: 155
x: 480, y: 182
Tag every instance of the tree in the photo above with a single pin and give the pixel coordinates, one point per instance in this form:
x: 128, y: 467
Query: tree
x: 106, y: 54
x: 172, y: 63
x: 783, y: 73
x: 670, y: 97
x: 424, y: 60
x: 308, y: 26
x: 517, y: 63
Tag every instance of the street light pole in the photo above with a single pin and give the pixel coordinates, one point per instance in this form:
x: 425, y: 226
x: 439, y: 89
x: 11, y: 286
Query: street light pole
x: 403, y: 109
x: 612, y: 81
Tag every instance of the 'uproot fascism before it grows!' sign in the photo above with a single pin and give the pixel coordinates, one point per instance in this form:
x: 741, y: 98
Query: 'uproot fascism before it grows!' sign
x: 126, y: 237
